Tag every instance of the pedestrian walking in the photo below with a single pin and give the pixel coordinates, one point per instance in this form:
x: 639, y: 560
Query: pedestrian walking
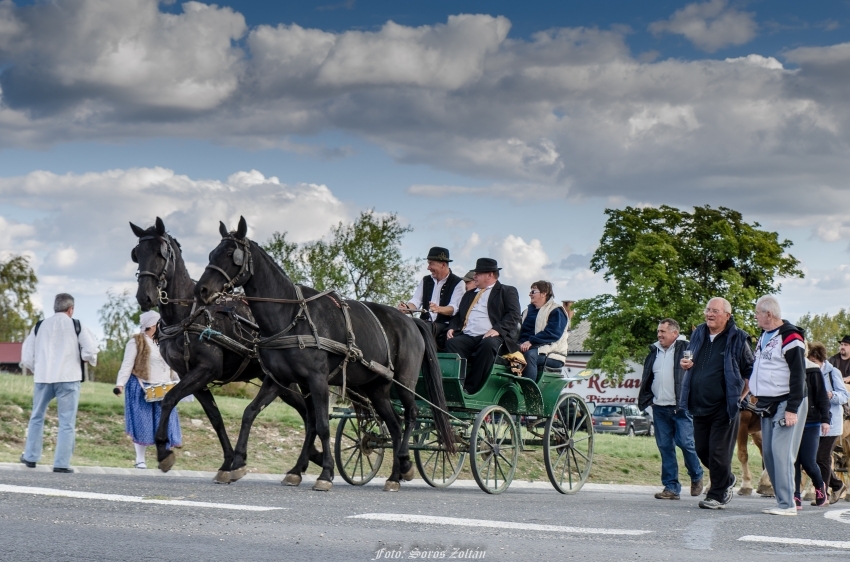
x: 817, y: 424
x: 660, y: 385
x: 54, y: 351
x: 142, y: 367
x: 778, y: 381
x: 838, y: 396
x: 711, y: 388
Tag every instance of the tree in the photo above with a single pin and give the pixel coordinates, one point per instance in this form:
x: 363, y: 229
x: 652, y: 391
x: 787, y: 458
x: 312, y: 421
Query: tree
x: 119, y: 318
x: 17, y: 285
x: 825, y: 328
x: 361, y: 260
x: 669, y: 263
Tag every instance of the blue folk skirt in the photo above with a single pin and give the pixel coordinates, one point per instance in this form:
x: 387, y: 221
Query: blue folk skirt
x: 141, y: 418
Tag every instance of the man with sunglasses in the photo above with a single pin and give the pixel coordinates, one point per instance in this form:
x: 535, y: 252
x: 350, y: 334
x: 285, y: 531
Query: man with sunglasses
x: 711, y: 389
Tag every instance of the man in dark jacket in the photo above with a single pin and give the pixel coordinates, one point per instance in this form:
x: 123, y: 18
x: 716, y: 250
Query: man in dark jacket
x: 841, y: 360
x: 779, y: 382
x: 660, y: 387
x: 487, y: 318
x: 711, y: 389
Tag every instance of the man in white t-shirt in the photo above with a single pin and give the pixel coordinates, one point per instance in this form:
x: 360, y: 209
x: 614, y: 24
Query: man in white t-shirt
x: 54, y: 352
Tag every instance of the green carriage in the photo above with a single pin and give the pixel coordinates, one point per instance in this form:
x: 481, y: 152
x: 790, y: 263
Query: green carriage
x: 507, y: 416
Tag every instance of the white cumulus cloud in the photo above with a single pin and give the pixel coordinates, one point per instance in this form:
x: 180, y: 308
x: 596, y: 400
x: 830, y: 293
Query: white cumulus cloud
x: 709, y: 25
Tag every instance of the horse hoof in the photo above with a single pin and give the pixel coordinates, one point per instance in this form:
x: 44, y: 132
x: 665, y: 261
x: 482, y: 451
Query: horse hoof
x: 238, y: 473
x: 391, y: 486
x: 322, y: 485
x: 408, y: 476
x: 766, y: 491
x: 745, y: 491
x: 166, y: 463
x: 222, y: 477
x: 292, y: 480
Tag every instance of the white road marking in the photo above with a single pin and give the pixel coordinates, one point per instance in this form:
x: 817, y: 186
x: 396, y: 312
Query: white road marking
x: 130, y: 499
x: 840, y: 515
x: 432, y: 520
x: 798, y: 542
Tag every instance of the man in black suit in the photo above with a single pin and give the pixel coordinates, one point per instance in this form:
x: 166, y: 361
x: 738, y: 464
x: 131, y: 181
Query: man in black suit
x: 487, y: 318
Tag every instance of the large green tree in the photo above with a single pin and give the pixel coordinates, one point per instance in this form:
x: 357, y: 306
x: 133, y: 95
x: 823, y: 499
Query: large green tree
x: 17, y: 286
x: 361, y: 260
x: 669, y: 263
x: 825, y: 328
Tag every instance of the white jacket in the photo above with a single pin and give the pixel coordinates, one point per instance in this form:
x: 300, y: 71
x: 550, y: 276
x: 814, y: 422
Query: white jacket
x: 54, y: 354
x: 833, y: 382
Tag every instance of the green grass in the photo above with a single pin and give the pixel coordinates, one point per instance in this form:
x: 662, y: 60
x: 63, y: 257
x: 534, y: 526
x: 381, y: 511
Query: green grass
x: 275, y: 438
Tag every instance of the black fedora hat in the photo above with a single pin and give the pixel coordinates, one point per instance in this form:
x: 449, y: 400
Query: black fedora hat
x: 845, y: 339
x: 438, y: 254
x: 486, y: 265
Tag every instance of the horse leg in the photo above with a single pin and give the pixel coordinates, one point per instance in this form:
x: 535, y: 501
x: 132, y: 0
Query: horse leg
x: 765, y: 488
x: 319, y: 394
x: 267, y: 393
x: 380, y: 401
x: 744, y: 458
x: 294, y: 398
x: 410, y: 415
x: 164, y: 455
x: 207, y: 401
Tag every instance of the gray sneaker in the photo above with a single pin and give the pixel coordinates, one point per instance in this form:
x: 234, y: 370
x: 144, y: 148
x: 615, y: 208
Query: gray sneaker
x: 727, y: 495
x: 711, y: 504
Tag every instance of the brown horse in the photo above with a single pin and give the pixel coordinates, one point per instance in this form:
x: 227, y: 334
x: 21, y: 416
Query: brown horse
x: 750, y: 424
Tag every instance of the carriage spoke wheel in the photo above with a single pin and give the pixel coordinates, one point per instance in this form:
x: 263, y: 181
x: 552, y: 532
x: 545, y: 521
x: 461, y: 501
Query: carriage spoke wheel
x: 359, y: 449
x: 438, y: 467
x: 568, y: 444
x: 494, y: 449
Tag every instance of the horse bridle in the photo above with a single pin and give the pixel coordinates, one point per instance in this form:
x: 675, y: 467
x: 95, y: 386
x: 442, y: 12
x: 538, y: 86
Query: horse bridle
x: 167, y: 252
x: 242, y: 258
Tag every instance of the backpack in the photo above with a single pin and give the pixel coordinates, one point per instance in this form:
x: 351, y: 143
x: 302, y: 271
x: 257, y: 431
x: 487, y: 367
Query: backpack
x: 77, y: 328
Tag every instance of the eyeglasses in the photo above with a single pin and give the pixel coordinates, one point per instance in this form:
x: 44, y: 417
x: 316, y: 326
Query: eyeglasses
x: 533, y: 292
x: 714, y: 311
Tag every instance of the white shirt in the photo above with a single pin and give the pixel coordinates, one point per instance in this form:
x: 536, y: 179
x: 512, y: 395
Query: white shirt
x: 454, y: 302
x: 478, y: 321
x: 159, y: 370
x: 54, y: 354
x: 663, y: 380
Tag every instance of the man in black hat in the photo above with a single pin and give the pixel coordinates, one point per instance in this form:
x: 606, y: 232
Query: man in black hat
x: 438, y: 293
x: 487, y: 318
x: 841, y: 360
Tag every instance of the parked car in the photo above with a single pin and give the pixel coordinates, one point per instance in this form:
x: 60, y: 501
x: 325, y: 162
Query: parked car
x: 624, y: 419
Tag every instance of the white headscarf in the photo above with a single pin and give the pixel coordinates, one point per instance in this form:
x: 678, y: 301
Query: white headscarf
x: 148, y: 319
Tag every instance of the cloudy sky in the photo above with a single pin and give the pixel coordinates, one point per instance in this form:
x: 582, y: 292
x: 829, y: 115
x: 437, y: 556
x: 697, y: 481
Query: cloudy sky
x: 499, y: 129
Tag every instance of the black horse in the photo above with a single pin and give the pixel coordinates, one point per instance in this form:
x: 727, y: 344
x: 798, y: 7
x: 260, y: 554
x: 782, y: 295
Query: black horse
x: 373, y: 334
x: 165, y: 282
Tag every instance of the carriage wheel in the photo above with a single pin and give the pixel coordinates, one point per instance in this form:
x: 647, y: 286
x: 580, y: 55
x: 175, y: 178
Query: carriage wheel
x: 438, y: 467
x: 359, y: 449
x: 494, y: 449
x: 568, y: 444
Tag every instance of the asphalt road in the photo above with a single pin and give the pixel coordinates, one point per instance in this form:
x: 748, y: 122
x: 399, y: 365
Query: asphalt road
x: 135, y: 519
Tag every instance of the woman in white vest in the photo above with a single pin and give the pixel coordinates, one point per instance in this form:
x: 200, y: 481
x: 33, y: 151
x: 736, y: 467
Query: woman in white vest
x: 142, y: 367
x: 543, y: 337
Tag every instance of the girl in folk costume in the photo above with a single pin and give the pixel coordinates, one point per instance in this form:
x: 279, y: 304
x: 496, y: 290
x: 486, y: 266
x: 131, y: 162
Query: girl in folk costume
x: 144, y: 366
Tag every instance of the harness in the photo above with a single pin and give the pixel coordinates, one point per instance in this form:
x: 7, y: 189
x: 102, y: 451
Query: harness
x: 167, y: 252
x: 283, y: 340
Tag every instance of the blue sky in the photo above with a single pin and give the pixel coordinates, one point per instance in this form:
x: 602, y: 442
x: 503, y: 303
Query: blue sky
x: 493, y: 128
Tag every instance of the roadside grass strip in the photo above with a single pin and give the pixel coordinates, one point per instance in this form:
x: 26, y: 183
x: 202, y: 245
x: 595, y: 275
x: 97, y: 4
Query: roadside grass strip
x: 130, y: 499
x: 796, y: 542
x: 433, y: 520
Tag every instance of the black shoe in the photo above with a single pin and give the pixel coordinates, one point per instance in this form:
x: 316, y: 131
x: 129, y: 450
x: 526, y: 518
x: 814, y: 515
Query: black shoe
x: 28, y: 463
x: 63, y: 470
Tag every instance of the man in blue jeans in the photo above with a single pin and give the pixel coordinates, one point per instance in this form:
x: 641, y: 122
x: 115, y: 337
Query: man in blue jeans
x: 54, y: 352
x: 660, y: 386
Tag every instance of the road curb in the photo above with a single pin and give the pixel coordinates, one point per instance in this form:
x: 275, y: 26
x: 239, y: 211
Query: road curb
x: 310, y: 478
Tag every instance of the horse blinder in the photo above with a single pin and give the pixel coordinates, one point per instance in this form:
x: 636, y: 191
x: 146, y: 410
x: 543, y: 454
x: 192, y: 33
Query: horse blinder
x: 133, y: 256
x: 239, y: 256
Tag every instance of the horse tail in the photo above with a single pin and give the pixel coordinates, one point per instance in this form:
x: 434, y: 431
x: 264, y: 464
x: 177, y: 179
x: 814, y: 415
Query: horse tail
x: 434, y: 384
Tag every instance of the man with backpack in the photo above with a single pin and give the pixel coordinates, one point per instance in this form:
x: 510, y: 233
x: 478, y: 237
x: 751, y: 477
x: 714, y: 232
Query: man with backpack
x: 55, y: 351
